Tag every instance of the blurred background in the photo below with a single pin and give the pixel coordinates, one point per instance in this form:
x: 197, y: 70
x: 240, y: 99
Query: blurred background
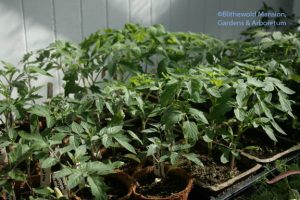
x: 28, y: 25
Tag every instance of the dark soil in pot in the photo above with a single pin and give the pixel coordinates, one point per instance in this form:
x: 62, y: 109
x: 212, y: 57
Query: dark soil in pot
x: 175, y: 186
x: 213, y: 172
x: 263, y: 147
x: 214, y: 175
x: 163, y: 188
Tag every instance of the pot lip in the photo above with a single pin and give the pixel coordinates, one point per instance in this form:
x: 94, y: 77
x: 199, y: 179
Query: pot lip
x: 272, y: 158
x: 187, y: 188
x: 221, y: 186
x: 129, y: 178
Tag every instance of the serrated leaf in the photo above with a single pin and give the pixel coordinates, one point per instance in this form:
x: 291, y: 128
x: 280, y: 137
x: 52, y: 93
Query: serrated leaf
x: 268, y: 86
x: 266, y: 110
x: 198, y: 115
x: 80, y: 151
x: 37, y: 70
x: 123, y: 142
x: 99, y: 104
x: 39, y: 110
x: 151, y: 149
x: 134, y: 136
x: 76, y: 128
x: 132, y: 157
x: 255, y: 82
x: 49, y: 162
x: 241, y: 93
x: 194, y: 158
x: 63, y: 173
x: 239, y: 114
x: 171, y: 117
x: 214, y: 92
x: 277, y: 127
x: 283, y: 88
x: 106, y: 140
x: 190, y: 131
x: 284, y: 102
x: 168, y: 94
x: 28, y: 136
x: 97, y: 188
x: 269, y: 132
x: 173, y: 158
x: 74, y: 180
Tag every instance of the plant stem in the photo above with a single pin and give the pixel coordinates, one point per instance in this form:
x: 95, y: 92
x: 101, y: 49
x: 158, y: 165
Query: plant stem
x: 235, y: 143
x: 210, y: 147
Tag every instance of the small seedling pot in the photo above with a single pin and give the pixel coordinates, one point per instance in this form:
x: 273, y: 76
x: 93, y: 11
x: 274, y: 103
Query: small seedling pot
x: 122, y: 179
x: 179, y: 173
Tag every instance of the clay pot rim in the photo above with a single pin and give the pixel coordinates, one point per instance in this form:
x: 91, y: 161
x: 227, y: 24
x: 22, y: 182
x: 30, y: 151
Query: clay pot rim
x: 187, y: 188
x: 121, y: 174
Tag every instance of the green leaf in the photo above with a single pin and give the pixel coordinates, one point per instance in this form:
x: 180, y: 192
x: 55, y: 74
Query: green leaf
x: 277, y: 127
x: 225, y: 157
x: 190, y: 131
x: 171, y: 117
x: 168, y: 94
x: 111, y: 130
x: 266, y: 110
x: 74, y: 180
x: 99, y: 104
x: 49, y: 162
x: 80, y: 151
x: 134, y: 136
x: 208, y: 136
x: 239, y: 114
x: 76, y: 128
x: 39, y: 110
x: 17, y: 175
x: 283, y: 88
x: 173, y: 158
x: 27, y: 136
x: 213, y: 92
x: 106, y: 140
x: 151, y: 149
x: 98, y: 187
x: 34, y: 69
x: 194, y: 158
x: 63, y: 172
x: 42, y: 191
x: 269, y: 132
x: 198, y: 115
x: 255, y: 82
x: 123, y: 141
x: 43, y: 111
x: 268, y: 87
x: 241, y: 93
x: 132, y: 157
x: 284, y: 102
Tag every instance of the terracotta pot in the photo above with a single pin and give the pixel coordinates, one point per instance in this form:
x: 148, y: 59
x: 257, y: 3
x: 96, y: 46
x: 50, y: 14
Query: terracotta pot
x: 178, y: 172
x: 122, y: 180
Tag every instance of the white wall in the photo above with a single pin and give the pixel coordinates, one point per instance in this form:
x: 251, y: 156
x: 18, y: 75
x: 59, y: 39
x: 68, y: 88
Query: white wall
x: 27, y: 25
